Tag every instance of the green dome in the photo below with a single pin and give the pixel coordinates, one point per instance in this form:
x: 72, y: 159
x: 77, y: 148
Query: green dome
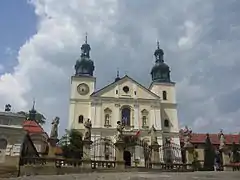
x: 160, y: 71
x: 84, y: 65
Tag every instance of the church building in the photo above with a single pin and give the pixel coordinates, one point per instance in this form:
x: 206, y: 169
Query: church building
x: 126, y: 100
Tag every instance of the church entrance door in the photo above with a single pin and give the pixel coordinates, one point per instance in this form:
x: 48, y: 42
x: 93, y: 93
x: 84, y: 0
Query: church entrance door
x: 127, y: 158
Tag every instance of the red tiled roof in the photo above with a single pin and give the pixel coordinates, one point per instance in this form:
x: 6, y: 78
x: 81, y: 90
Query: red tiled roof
x: 200, y: 138
x: 32, y: 127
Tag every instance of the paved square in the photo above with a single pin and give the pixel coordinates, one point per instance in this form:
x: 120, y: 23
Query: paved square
x: 141, y: 176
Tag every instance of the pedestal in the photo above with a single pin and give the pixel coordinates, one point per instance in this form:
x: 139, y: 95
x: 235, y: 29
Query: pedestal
x: 87, y: 154
x: 120, y: 163
x: 225, y: 159
x: 189, y: 156
x: 52, y: 142
x: 155, y: 156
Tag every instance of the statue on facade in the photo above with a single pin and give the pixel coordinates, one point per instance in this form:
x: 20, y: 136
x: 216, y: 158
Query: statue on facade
x: 54, y: 130
x: 120, y: 128
x: 88, y: 128
x: 221, y: 139
x: 153, y: 133
x: 187, y: 134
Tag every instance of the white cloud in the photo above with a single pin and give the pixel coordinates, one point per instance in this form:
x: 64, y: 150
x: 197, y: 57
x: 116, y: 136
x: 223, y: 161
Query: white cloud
x: 191, y: 33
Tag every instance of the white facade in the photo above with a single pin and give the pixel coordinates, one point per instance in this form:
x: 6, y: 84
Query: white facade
x: 126, y: 100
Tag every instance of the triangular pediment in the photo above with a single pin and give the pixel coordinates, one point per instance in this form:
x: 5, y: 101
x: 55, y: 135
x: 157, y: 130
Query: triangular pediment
x: 126, y: 87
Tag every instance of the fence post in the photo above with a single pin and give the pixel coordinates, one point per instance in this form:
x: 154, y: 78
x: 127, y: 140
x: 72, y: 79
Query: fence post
x: 225, y: 152
x: 189, y: 156
x: 155, y: 157
x: 86, y: 154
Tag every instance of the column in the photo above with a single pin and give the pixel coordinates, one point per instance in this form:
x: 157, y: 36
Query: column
x: 98, y: 116
x: 157, y: 118
x: 116, y: 115
x: 137, y: 117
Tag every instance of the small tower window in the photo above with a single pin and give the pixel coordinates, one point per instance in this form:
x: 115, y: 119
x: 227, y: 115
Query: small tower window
x: 135, y: 92
x: 80, y: 119
x: 166, y: 123
x: 164, y: 95
x: 116, y: 91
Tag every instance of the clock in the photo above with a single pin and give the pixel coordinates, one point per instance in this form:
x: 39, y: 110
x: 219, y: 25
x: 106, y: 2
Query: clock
x: 83, y: 89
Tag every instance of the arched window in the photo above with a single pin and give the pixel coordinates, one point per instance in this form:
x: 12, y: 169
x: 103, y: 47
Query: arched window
x: 126, y: 116
x: 144, y: 121
x: 107, y: 117
x: 164, y: 93
x: 107, y: 120
x: 80, y: 119
x: 166, y: 123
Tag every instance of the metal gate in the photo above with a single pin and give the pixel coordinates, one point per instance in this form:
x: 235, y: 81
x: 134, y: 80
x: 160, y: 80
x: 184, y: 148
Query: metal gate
x: 170, y: 153
x: 103, y: 153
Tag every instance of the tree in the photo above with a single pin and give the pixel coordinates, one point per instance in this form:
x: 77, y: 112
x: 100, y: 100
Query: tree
x: 235, y: 153
x: 40, y: 118
x: 209, y: 155
x: 71, y: 144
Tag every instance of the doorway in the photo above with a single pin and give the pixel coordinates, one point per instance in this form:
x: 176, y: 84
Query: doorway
x: 127, y: 158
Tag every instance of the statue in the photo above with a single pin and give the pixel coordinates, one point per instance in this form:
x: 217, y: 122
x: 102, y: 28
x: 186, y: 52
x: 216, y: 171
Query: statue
x: 187, y: 134
x: 54, y: 130
x: 221, y: 139
x: 88, y: 127
x: 152, y: 131
x: 120, y: 128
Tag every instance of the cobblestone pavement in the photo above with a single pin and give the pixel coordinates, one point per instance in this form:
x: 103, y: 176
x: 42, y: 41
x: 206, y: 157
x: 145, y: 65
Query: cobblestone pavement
x: 141, y: 176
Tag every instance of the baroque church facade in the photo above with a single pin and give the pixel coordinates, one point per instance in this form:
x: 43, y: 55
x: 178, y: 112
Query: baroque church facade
x: 126, y: 100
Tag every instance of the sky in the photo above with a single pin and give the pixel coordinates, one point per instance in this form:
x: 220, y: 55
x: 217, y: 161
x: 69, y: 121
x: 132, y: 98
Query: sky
x: 40, y: 41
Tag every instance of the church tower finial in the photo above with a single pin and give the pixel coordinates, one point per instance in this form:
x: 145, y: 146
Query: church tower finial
x: 86, y: 34
x: 34, y: 102
x: 158, y: 44
x: 117, y: 78
x: 84, y: 65
x: 160, y: 71
x: 159, y: 53
x: 33, y: 112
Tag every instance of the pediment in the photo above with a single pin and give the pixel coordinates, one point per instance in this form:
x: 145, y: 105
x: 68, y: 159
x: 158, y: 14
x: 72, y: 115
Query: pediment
x: 126, y: 87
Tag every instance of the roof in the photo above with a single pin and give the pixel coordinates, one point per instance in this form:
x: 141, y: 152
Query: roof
x: 200, y: 138
x: 11, y: 114
x: 32, y: 127
x: 114, y: 83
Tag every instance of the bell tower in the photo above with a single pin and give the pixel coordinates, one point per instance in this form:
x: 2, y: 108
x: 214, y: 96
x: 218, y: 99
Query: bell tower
x: 163, y: 87
x: 82, y: 86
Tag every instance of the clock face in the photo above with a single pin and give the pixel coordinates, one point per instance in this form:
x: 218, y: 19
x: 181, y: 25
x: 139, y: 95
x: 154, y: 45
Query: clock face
x: 83, y: 89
